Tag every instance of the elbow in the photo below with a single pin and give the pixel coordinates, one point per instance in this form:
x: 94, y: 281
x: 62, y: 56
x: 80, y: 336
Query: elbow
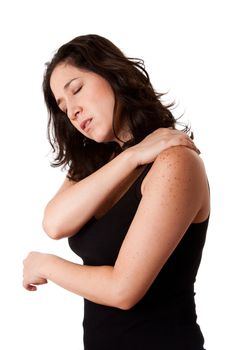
x: 56, y: 229
x: 126, y: 300
x: 51, y: 229
x: 54, y: 224
x: 126, y: 304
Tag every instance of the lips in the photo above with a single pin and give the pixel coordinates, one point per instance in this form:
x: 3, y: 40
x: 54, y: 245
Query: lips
x: 85, y: 123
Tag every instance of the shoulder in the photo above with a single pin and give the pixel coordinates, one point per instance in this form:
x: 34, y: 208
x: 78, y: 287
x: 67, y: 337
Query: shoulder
x: 177, y: 183
x: 178, y: 155
x: 175, y: 165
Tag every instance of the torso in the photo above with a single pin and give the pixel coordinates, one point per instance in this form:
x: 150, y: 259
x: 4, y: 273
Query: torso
x: 166, y: 314
x: 119, y: 193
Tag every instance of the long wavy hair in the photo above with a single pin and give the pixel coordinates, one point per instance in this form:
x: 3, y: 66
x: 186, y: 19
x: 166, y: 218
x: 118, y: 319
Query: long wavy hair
x: 136, y: 102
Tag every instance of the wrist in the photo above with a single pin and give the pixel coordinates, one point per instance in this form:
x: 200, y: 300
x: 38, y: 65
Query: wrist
x: 46, y: 262
x: 130, y: 157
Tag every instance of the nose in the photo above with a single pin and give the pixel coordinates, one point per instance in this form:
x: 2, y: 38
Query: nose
x: 73, y: 111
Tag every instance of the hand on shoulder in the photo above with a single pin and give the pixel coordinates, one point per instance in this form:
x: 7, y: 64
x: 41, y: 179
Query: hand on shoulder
x: 159, y: 140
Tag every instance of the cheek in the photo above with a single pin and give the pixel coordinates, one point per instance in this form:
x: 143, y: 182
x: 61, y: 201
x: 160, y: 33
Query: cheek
x: 106, y: 98
x: 109, y: 110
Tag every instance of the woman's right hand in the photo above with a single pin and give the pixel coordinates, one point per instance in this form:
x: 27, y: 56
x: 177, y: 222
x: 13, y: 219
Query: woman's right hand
x: 148, y: 149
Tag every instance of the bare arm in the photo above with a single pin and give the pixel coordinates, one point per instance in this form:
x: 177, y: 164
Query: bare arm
x: 75, y: 203
x: 174, y: 194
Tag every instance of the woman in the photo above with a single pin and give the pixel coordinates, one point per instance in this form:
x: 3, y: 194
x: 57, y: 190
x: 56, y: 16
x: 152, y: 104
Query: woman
x: 134, y: 204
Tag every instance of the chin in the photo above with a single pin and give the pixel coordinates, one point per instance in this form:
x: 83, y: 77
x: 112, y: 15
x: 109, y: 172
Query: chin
x: 103, y: 138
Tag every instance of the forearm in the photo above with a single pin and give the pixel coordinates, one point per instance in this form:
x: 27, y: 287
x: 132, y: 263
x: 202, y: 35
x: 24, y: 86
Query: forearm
x: 95, y: 283
x: 69, y: 210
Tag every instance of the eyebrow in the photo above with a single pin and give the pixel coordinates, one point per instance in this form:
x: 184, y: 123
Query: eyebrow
x: 66, y: 87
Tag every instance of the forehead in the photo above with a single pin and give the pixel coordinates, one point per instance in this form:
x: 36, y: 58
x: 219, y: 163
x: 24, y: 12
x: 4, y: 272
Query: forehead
x: 62, y: 74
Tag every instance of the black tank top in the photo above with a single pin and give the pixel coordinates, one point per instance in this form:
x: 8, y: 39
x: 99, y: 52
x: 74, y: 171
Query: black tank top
x: 165, y: 318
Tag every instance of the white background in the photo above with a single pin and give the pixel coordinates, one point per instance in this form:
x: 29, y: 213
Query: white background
x: 187, y: 48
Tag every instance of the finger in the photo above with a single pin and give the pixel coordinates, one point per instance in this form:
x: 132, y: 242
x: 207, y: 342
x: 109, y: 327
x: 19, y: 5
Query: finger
x: 29, y: 287
x: 41, y: 281
x: 192, y: 145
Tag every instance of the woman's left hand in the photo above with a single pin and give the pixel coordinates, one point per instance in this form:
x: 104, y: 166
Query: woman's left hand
x: 31, y: 272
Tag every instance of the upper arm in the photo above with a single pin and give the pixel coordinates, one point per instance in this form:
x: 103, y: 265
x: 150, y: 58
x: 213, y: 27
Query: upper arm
x: 65, y: 185
x: 171, y: 199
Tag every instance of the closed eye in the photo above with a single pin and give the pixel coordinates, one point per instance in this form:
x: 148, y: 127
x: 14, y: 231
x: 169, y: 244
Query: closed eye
x: 59, y: 100
x: 76, y: 91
